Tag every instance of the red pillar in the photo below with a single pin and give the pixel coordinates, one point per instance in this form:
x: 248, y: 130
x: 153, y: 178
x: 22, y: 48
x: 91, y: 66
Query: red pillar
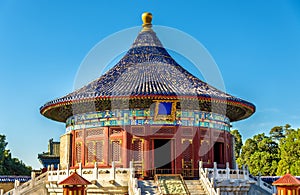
x: 124, y: 155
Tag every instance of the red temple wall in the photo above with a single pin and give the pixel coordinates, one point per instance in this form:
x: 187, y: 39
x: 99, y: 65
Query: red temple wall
x: 116, y: 141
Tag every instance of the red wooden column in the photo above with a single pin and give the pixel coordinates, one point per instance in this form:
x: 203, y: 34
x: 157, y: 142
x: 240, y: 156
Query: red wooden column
x: 146, y: 154
x: 196, y: 145
x: 124, y: 154
x: 178, y: 150
x: 226, y: 148
x: 106, y: 146
x: 129, y: 149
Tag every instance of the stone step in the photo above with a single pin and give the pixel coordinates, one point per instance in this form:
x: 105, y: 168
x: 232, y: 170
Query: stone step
x: 195, y: 187
x: 148, y: 187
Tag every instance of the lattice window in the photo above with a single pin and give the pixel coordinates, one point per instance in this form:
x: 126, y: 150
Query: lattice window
x: 138, y: 130
x: 163, y: 130
x: 203, y: 132
x: 78, y: 152
x: 94, y: 132
x: 187, y: 131
x: 99, y: 151
x: 187, y: 153
x: 115, y: 131
x: 137, y: 149
x: 78, y: 134
x: 204, y: 148
x: 116, y: 151
x: 90, y: 152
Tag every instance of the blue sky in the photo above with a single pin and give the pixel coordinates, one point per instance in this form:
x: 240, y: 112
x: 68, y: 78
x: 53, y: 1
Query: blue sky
x: 256, y: 45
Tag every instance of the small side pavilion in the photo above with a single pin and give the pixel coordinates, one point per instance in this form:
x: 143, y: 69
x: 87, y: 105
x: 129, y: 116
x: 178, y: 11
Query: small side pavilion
x: 74, y: 185
x: 287, y: 185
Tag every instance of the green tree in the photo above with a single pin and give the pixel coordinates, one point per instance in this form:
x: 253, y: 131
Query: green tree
x: 238, y: 143
x: 261, y: 154
x: 290, y: 153
x: 277, y: 133
x: 9, y: 165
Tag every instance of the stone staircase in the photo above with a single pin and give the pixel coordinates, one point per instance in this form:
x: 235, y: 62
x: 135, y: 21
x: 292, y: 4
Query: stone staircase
x: 171, y: 184
x: 148, y: 187
x: 195, y: 187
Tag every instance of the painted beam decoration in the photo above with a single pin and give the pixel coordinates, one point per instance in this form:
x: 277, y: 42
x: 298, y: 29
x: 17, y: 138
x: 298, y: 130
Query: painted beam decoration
x: 140, y: 117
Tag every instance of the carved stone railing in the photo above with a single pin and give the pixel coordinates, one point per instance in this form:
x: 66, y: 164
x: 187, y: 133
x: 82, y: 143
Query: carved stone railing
x: 228, y: 173
x: 237, y: 174
x: 133, y: 188
x: 113, y: 174
x: 264, y: 185
x: 208, y: 184
x: 27, y: 186
x: 105, y: 176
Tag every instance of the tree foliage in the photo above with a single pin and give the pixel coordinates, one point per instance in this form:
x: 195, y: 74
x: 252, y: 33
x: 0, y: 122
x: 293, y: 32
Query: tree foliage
x: 278, y: 132
x: 290, y: 153
x: 261, y: 154
x: 9, y: 165
x: 238, y: 142
x: 274, y: 154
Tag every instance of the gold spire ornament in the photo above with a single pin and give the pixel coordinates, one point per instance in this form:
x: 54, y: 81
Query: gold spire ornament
x: 147, y: 19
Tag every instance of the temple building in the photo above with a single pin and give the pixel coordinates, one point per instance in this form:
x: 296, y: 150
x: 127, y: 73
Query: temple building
x: 150, y: 110
x: 147, y: 117
x: 51, y: 157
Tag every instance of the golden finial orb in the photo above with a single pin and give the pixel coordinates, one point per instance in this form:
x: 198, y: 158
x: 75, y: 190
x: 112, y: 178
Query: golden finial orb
x: 147, y: 18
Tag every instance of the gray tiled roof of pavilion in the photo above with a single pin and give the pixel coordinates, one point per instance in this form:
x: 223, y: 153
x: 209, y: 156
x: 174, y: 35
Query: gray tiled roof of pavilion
x: 147, y: 70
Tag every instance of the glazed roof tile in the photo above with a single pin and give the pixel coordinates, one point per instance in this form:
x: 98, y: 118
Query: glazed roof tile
x: 74, y: 179
x: 12, y: 178
x: 147, y: 70
x: 287, y: 180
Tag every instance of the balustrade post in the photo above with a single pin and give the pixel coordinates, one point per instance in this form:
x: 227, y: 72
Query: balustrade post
x: 135, y: 183
x: 244, y: 172
x: 131, y: 169
x: 32, y: 178
x: 131, y: 164
x: 200, y: 168
x: 16, y: 185
x: 80, y: 169
x: 68, y: 170
x: 57, y: 171
x: 215, y: 169
x: 237, y: 171
x: 227, y: 171
x: 1, y: 192
x: 247, y: 173
x: 218, y: 191
x: 113, y: 171
x: 96, y: 171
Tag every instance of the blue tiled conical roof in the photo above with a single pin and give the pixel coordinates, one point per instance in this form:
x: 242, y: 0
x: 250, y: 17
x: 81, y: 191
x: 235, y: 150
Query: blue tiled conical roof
x: 147, y: 71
